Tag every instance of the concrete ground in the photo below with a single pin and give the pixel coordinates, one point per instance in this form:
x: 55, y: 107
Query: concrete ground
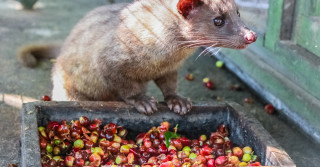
x: 51, y: 22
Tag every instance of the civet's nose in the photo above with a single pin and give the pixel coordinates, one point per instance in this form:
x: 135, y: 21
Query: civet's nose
x: 250, y: 37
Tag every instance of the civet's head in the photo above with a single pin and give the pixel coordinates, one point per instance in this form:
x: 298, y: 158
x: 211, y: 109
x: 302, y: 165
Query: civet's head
x: 214, y: 23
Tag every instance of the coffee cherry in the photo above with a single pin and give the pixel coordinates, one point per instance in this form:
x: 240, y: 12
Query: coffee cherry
x: 130, y: 158
x: 210, y: 85
x: 43, y: 143
x: 219, y: 64
x: 200, y: 159
x: 165, y: 125
x: 152, y: 151
x: 223, y: 130
x: 147, y: 143
x: 193, y: 156
x: 255, y: 164
x: 221, y: 161
x: 152, y: 160
x: 121, y: 159
x: 109, y: 136
x: 189, y: 77
x: 206, y: 80
x: 79, y: 162
x: 172, y: 152
x: 161, y: 136
x: 211, y: 162
x: 163, y: 149
x: 234, y: 160
x: 203, y: 138
x: 122, y: 132
x: 94, y: 136
x: 246, y: 157
x: 220, y: 152
x: 176, y: 162
x: 89, y: 144
x: 117, y: 138
x: 84, y: 121
x: 95, y: 159
x: 243, y: 164
x: 227, y: 144
x: 269, y: 109
x: 46, y: 98
x: 43, y: 132
x: 99, y: 151
x: 57, y: 142
x: 41, y: 128
x: 195, y: 142
x: 135, y: 151
x: 75, y: 150
x: 156, y: 143
x: 56, y: 150
x: 52, y: 163
x: 218, y: 141
x: 237, y: 151
x: 177, y: 143
x: 154, y: 135
x: 248, y: 100
x: 115, y: 145
x: 56, y: 158
x: 186, y: 148
x: 185, y: 141
x: 124, y: 149
x: 146, y: 155
x: 93, y: 127
x: 142, y: 160
x: 69, y: 160
x: 171, y: 147
x: 111, y: 127
x: 75, y: 135
x: 142, y: 149
x: 247, y: 150
x: 188, y: 164
x: 103, y: 143
x: 49, y: 148
x: 63, y: 129
x: 61, y: 163
x: 205, y: 151
x: 167, y: 164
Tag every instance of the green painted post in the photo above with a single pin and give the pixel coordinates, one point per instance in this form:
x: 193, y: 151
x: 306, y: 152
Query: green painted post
x: 274, y: 24
x: 316, y: 7
x: 28, y: 4
x: 307, y: 25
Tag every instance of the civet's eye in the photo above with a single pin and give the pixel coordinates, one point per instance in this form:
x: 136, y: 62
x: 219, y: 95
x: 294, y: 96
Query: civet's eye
x: 219, y: 21
x: 238, y: 13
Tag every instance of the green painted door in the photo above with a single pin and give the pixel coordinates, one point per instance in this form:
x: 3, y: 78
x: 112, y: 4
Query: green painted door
x: 307, y: 26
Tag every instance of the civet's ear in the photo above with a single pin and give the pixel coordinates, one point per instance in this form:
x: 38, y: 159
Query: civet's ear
x: 186, y: 6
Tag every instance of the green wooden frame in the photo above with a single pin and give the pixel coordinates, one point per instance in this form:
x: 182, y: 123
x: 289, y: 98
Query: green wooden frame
x: 283, y: 66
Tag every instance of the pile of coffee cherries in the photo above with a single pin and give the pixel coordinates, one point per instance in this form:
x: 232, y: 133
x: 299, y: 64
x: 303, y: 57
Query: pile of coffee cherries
x: 85, y: 143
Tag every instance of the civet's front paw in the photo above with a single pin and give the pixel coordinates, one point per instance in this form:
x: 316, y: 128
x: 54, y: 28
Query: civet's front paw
x: 179, y: 105
x: 145, y: 104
